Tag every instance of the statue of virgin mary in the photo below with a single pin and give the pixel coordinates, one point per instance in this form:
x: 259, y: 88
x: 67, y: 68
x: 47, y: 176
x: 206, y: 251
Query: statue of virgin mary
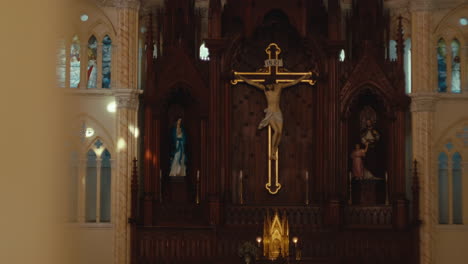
x: 178, y: 156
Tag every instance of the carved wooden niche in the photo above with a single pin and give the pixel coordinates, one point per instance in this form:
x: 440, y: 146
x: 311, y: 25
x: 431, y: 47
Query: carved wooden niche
x: 178, y: 103
x: 368, y: 122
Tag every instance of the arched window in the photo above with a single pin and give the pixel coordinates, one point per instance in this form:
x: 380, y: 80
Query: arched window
x: 392, y: 47
x: 443, y: 188
x: 441, y: 66
x: 91, y: 186
x: 105, y: 193
x: 106, y: 61
x: 456, y: 77
x: 204, y: 52
x: 92, y: 62
x: 457, y: 195
x: 75, y: 62
x: 407, y: 65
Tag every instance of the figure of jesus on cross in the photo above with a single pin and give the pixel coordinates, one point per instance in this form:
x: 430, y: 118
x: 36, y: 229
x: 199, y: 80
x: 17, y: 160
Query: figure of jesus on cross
x: 272, y: 78
x: 273, y: 115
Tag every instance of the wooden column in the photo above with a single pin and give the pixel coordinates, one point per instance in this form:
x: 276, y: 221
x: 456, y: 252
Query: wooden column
x: 215, y: 45
x: 397, y: 172
x: 214, y: 129
x: 332, y: 177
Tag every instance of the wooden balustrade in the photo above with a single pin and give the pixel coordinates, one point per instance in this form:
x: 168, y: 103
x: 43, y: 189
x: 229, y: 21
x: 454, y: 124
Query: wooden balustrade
x: 201, y: 244
x: 368, y: 216
x: 255, y: 215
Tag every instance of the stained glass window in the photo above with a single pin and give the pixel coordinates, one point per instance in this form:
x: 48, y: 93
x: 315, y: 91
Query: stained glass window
x: 61, y: 63
x: 91, y: 74
x: 457, y: 195
x: 75, y: 62
x: 443, y: 188
x: 456, y: 81
x: 441, y: 66
x: 105, y: 207
x: 407, y: 65
x: 90, y: 187
x: 106, y: 61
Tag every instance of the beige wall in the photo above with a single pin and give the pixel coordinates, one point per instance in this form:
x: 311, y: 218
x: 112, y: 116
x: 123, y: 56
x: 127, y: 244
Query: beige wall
x: 450, y: 117
x: 451, y: 244
x: 92, y: 244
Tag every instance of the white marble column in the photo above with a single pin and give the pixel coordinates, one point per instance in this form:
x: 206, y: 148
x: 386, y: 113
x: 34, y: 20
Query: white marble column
x: 423, y: 102
x: 124, y: 79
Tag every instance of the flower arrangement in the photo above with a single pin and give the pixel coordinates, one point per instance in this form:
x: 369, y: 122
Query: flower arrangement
x: 247, y: 249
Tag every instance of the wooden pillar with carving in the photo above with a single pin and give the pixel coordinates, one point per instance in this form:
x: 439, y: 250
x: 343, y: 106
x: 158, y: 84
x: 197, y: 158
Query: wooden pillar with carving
x: 334, y: 179
x: 215, y: 45
x: 397, y: 172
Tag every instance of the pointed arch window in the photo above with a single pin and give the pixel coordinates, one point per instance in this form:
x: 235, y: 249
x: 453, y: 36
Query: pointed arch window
x: 75, y: 62
x: 441, y: 66
x: 456, y: 75
x: 106, y: 61
x: 105, y: 187
x: 91, y: 186
x: 443, y: 188
x: 457, y: 189
x: 92, y: 62
x: 97, y: 179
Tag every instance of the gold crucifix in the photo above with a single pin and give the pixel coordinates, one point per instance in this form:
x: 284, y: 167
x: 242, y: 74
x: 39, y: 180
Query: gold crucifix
x: 275, y: 77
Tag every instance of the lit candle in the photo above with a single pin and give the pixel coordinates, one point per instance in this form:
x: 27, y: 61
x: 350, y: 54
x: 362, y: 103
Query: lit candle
x: 198, y: 175
x: 307, y: 175
x: 240, y: 175
x: 259, y: 240
x: 295, y: 239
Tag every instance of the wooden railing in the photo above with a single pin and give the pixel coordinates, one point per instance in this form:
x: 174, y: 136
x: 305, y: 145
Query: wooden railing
x: 199, y: 245
x: 368, y: 216
x: 255, y: 215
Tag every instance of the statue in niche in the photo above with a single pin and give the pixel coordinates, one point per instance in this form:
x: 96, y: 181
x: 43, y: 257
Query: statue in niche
x: 359, y: 170
x: 178, y: 155
x: 369, y: 134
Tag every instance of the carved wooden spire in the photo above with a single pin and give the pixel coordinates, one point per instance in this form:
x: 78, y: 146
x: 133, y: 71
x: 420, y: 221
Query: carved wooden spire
x: 149, y: 39
x: 415, y: 190
x: 400, y: 43
x: 134, y: 192
x: 214, y: 17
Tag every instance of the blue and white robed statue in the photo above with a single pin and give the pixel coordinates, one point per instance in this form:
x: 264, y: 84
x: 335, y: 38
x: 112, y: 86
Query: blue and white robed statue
x: 178, y: 155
